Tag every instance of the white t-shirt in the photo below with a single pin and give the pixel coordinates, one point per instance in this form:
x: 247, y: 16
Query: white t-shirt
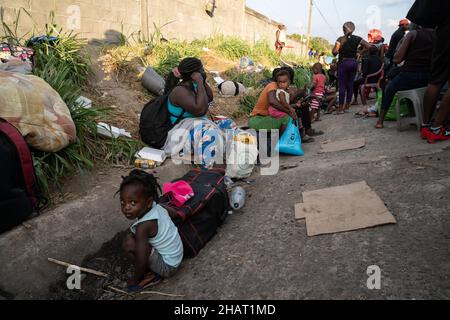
x: 282, y: 37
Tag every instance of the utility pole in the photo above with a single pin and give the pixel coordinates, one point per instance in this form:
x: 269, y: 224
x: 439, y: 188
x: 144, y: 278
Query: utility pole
x: 309, y: 25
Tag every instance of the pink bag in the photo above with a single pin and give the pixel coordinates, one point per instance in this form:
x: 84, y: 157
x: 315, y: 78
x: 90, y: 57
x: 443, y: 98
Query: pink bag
x: 179, y: 192
x: 275, y: 113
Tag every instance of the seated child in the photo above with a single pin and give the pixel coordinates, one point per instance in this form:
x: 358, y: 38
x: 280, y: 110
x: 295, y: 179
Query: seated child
x: 283, y: 81
x: 153, y: 243
x: 318, y: 91
x: 330, y: 98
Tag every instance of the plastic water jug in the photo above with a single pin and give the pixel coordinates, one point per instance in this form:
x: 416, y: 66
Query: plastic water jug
x: 153, y: 82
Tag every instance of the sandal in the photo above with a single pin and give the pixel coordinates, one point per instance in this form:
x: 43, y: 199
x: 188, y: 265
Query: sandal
x: 314, y: 133
x: 307, y: 139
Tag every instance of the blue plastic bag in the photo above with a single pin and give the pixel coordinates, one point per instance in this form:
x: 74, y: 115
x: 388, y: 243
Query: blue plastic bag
x: 291, y: 141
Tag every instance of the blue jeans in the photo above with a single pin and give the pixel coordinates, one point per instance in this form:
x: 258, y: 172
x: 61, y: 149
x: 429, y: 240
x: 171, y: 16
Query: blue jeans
x: 403, y: 81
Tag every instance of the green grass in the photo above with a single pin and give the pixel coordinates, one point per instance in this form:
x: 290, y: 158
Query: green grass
x: 232, y: 48
x: 248, y: 79
x: 264, y: 54
x: 167, y: 55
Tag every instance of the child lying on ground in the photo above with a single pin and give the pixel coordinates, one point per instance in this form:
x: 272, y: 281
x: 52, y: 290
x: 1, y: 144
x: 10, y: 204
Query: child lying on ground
x: 153, y: 243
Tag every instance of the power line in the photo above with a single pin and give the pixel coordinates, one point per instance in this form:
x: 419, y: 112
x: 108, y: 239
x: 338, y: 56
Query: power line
x: 325, y: 19
x: 337, y: 12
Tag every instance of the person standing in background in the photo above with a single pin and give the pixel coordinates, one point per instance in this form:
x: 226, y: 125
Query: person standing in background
x: 347, y: 49
x: 280, y: 43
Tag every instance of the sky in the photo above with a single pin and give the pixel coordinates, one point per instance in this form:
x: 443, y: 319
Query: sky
x: 366, y: 14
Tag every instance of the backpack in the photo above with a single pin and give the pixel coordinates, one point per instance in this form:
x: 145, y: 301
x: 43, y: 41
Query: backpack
x: 155, y: 124
x: 200, y: 217
x: 18, y: 187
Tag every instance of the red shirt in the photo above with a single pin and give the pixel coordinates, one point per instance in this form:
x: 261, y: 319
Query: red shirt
x: 319, y: 84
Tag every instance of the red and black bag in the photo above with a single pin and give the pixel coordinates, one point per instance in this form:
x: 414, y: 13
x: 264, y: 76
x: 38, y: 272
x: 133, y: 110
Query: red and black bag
x: 18, y: 187
x: 198, y: 219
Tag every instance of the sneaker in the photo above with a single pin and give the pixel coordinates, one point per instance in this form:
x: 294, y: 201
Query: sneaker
x: 442, y: 135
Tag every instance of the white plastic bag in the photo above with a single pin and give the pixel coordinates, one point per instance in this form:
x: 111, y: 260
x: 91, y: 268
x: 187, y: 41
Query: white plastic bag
x: 243, y: 155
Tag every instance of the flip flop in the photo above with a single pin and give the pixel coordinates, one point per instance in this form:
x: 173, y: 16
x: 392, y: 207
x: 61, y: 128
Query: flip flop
x: 307, y: 139
x: 315, y: 133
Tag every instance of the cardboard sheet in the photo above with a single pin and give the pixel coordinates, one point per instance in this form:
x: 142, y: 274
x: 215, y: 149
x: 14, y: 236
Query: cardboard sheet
x: 344, y: 208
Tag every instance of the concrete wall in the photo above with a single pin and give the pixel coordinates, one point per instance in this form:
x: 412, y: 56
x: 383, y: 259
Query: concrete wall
x: 94, y: 19
x: 105, y: 19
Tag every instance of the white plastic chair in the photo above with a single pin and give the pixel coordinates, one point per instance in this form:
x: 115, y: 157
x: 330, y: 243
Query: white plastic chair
x: 416, y: 97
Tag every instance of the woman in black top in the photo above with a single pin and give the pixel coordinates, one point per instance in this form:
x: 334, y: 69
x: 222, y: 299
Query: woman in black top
x: 347, y: 48
x: 416, y: 51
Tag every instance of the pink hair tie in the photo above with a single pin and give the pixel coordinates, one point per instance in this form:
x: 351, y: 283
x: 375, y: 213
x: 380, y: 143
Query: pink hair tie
x: 176, y: 72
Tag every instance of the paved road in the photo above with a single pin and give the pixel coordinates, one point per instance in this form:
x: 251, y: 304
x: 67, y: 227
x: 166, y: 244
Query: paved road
x: 262, y: 252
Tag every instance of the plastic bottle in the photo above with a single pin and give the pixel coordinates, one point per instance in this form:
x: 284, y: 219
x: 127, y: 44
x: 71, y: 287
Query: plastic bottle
x: 237, y: 198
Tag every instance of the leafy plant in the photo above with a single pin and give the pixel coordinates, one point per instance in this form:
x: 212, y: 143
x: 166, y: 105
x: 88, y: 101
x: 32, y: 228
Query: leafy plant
x: 303, y: 76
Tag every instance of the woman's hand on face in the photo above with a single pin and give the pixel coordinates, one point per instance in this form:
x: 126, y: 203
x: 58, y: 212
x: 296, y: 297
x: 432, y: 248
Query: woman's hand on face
x: 197, y: 77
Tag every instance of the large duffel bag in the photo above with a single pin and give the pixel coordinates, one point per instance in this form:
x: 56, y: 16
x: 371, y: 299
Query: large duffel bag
x: 198, y: 219
x: 18, y: 187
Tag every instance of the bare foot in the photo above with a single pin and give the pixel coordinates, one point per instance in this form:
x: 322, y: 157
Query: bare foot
x: 379, y: 126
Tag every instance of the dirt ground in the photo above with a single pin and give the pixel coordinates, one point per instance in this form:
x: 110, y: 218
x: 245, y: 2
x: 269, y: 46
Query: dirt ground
x: 262, y: 252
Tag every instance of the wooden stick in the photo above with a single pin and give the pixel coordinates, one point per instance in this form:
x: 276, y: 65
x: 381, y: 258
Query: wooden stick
x: 144, y: 292
x: 65, y: 264
x: 119, y: 291
x: 161, y: 293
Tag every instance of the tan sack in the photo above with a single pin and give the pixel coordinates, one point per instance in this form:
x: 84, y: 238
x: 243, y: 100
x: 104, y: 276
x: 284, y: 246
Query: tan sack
x: 37, y: 111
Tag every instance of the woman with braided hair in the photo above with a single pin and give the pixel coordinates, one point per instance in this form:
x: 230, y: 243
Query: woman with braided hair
x: 189, y: 98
